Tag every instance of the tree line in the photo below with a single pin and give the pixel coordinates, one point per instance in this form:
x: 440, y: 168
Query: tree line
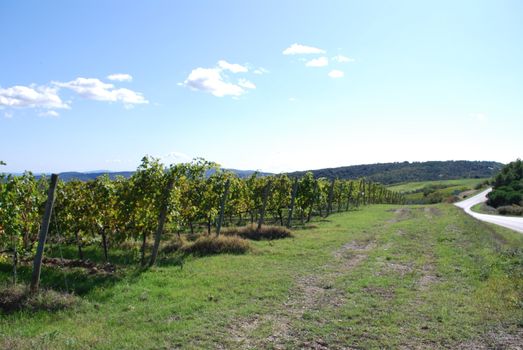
x: 391, y: 173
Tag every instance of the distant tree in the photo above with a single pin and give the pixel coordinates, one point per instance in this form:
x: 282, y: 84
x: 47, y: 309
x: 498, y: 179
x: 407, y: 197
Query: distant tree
x: 508, y: 186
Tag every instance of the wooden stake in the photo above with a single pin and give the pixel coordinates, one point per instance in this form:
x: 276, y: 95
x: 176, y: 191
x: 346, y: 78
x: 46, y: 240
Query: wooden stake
x: 37, y: 264
x: 161, y: 220
x: 293, y: 199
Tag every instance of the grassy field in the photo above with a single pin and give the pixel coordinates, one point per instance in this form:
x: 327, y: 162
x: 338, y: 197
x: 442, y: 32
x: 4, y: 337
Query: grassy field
x: 382, y: 277
x: 429, y: 192
x: 414, y: 186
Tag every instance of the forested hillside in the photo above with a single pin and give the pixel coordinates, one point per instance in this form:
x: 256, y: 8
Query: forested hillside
x: 389, y: 173
x: 385, y: 173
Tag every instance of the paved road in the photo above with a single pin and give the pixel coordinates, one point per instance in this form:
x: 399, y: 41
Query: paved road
x: 514, y: 223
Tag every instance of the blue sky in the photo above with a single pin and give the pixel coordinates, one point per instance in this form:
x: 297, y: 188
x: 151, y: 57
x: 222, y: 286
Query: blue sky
x: 269, y: 85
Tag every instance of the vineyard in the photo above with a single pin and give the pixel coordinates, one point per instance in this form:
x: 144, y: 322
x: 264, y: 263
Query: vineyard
x: 156, y: 203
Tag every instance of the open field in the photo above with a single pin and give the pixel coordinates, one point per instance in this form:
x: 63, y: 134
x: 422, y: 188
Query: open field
x: 430, y: 192
x: 413, y: 186
x: 382, y: 277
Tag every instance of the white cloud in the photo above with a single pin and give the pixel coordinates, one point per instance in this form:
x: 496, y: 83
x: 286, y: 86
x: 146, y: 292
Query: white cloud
x: 298, y: 49
x: 8, y: 114
x: 260, y: 71
x: 95, y: 89
x: 342, y: 59
x: 336, y: 74
x: 120, y: 77
x: 176, y: 157
x: 244, y: 83
x: 318, y: 62
x: 292, y: 99
x: 31, y: 97
x: 216, y: 82
x: 211, y: 80
x: 233, y: 67
x: 49, y: 114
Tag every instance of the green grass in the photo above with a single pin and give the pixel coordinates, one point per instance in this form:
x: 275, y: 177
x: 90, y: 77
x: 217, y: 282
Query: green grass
x: 381, y: 277
x: 413, y: 186
x: 429, y: 192
x: 483, y: 208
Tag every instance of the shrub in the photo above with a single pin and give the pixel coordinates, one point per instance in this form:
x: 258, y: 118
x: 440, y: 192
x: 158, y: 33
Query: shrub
x: 173, y: 245
x: 264, y: 233
x: 504, y: 196
x: 452, y: 199
x: 16, y: 298
x: 514, y: 210
x: 209, y: 245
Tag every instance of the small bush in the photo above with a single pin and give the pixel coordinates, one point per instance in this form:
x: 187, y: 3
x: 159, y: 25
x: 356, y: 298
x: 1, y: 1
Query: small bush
x: 452, y: 199
x: 504, y: 196
x: 16, y: 298
x: 265, y: 232
x: 209, y: 245
x: 173, y: 245
x: 513, y: 210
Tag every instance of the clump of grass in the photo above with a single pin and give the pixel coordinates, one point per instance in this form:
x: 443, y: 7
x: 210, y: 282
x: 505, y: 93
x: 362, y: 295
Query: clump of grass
x: 17, y: 298
x: 264, y: 233
x: 210, y: 245
x: 452, y: 199
x: 173, y: 245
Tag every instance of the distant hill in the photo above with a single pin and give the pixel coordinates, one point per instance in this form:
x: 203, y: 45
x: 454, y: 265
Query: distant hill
x: 385, y: 173
x: 91, y: 175
x: 390, y: 173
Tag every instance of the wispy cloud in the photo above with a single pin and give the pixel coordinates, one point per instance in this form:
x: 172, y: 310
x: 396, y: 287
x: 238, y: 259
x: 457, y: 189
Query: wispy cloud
x: 176, y: 157
x: 216, y: 82
x: 95, y: 89
x: 31, y: 97
x: 120, y: 77
x: 298, y: 49
x: 45, y: 99
x: 318, y: 62
x: 211, y: 80
x: 244, y: 83
x: 232, y: 67
x: 50, y: 113
x: 336, y: 74
x: 260, y: 71
x: 342, y: 59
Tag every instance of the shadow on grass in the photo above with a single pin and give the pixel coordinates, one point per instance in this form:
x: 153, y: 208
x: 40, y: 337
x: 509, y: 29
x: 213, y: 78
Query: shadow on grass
x: 94, y: 253
x: 72, y: 280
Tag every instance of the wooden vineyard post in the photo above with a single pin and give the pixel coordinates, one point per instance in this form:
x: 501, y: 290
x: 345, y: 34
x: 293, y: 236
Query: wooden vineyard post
x: 293, y: 199
x: 264, y: 204
x: 331, y: 194
x: 361, y: 193
x: 222, y: 206
x: 161, y: 220
x: 37, y: 264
